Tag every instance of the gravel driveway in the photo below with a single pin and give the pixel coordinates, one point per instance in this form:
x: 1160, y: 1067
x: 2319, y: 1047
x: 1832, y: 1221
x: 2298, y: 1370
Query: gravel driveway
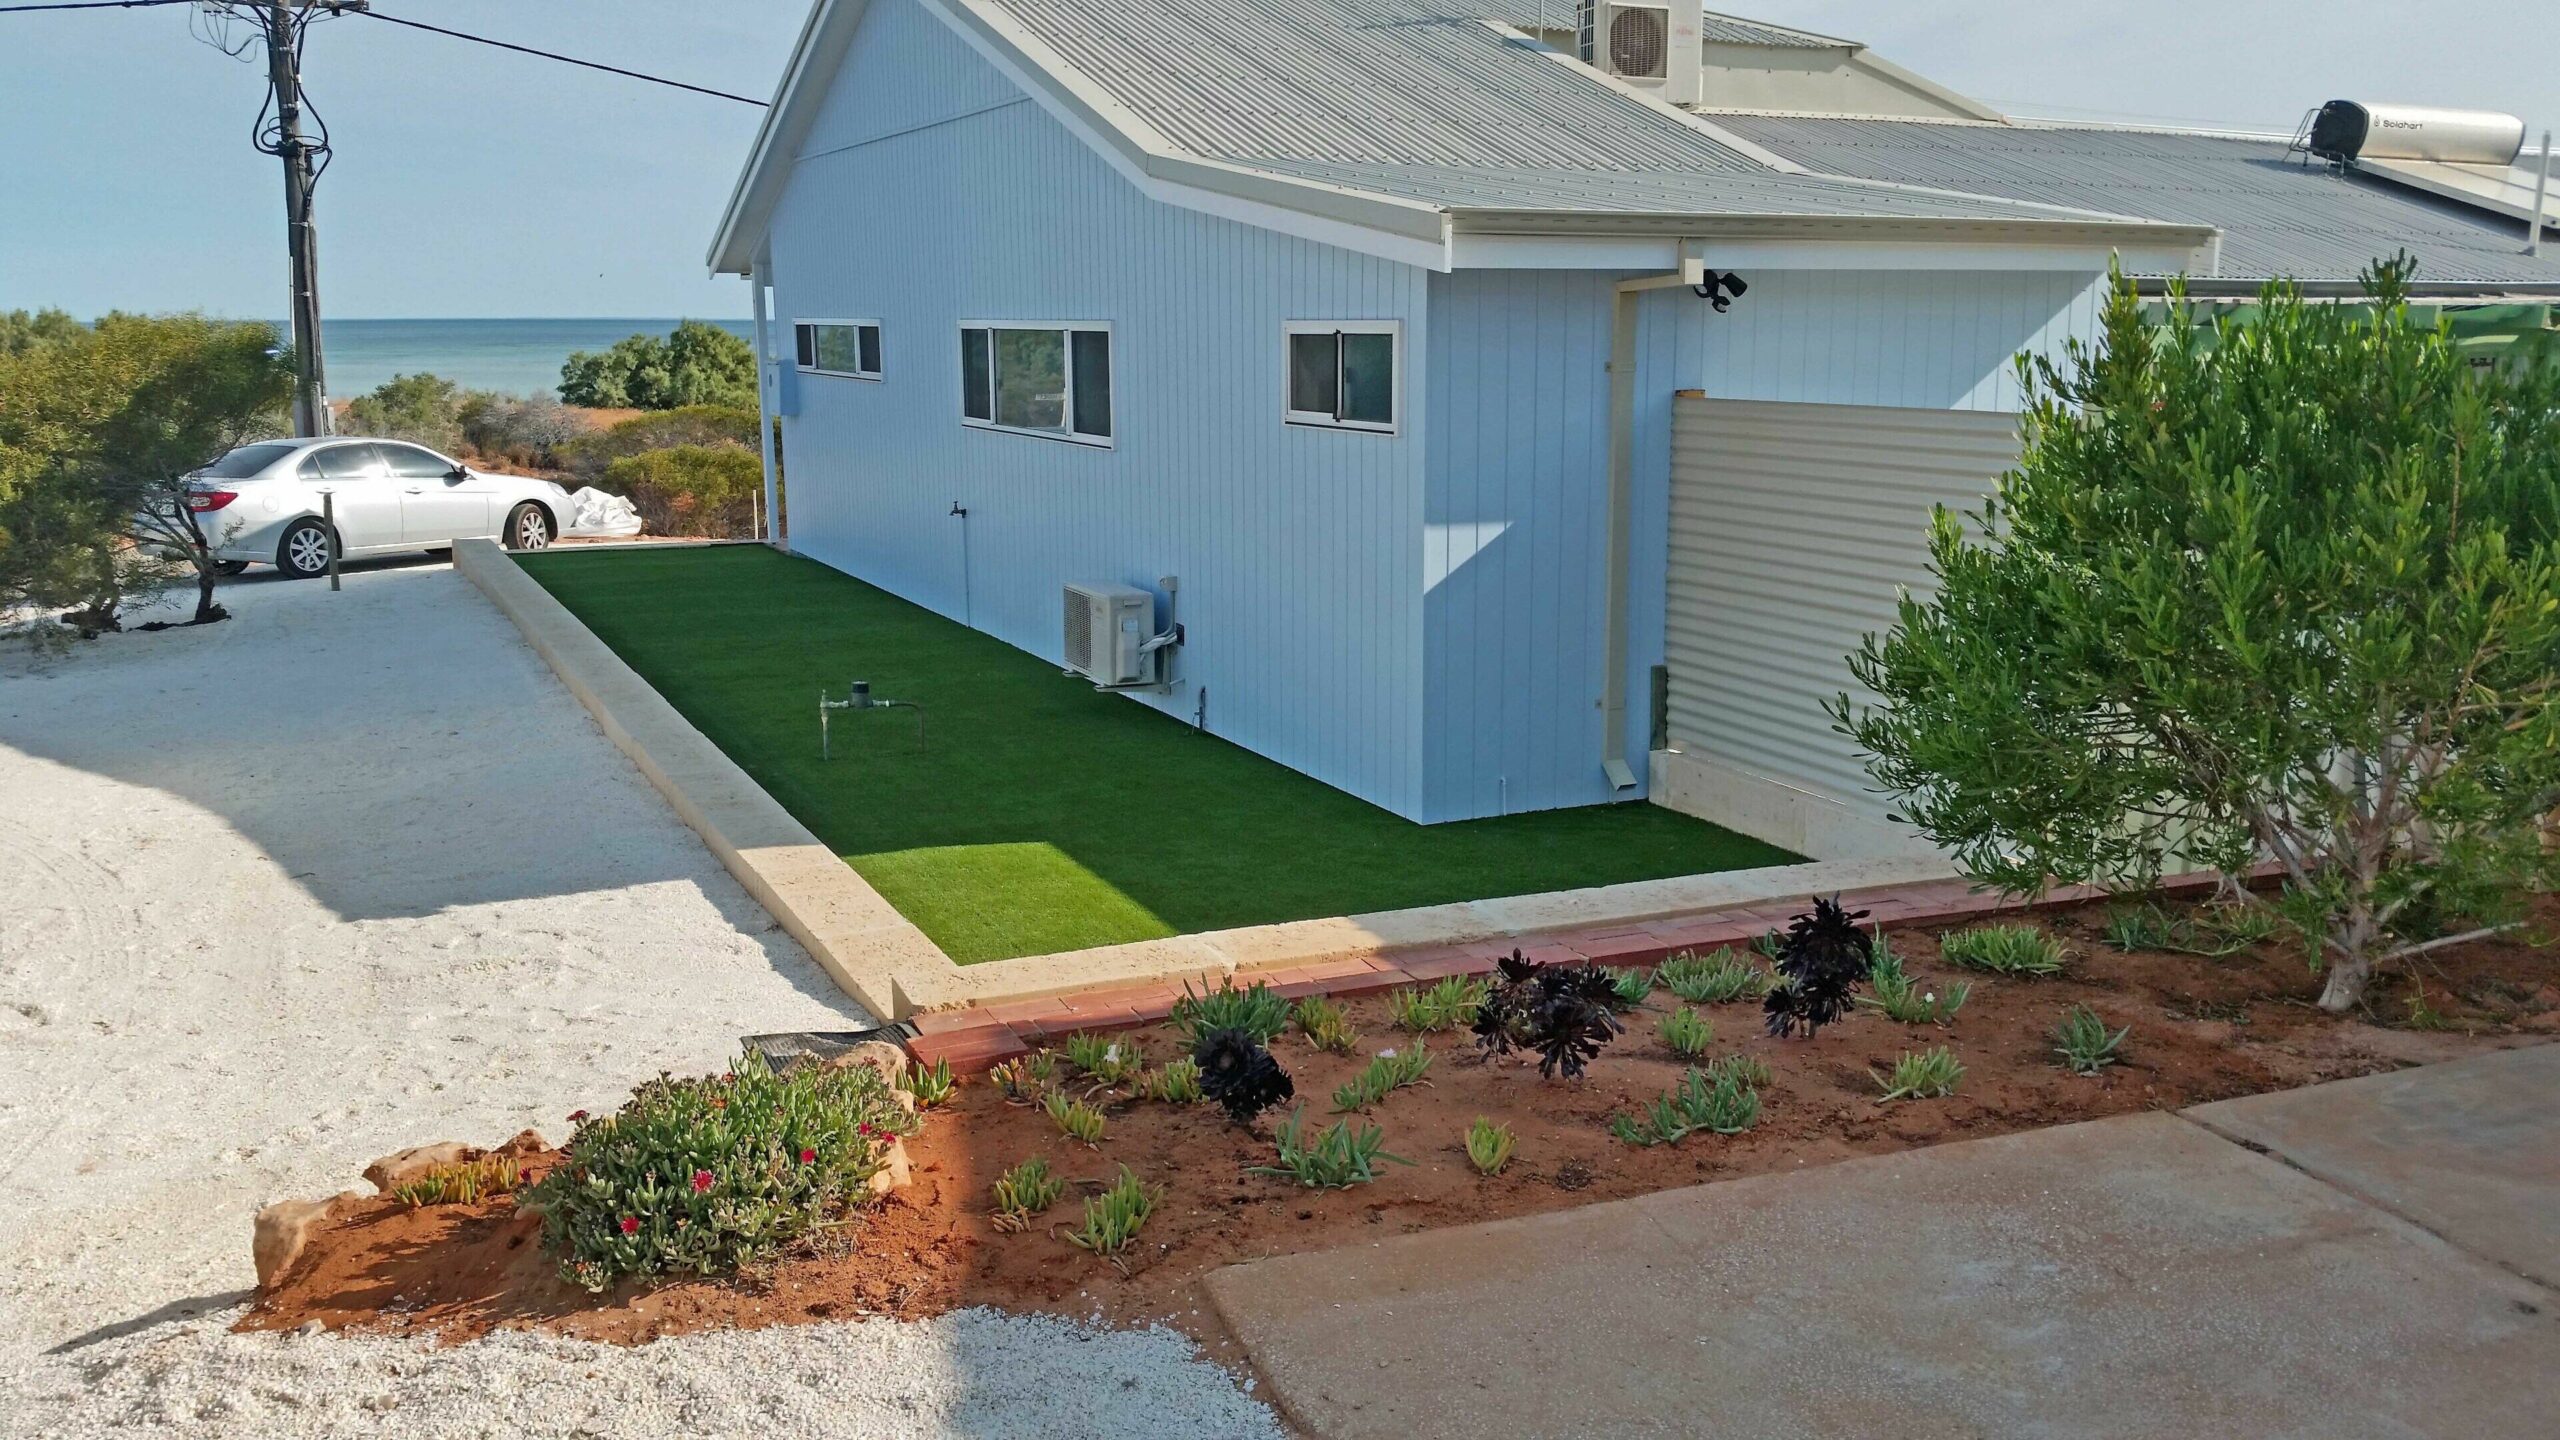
x: 352, y: 872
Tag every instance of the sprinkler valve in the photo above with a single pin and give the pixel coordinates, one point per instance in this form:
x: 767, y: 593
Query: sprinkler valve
x: 858, y: 696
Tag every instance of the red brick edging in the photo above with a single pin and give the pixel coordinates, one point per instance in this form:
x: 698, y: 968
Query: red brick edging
x: 976, y: 1037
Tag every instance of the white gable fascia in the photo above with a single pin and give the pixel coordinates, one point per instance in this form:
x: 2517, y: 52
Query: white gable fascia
x: 815, y: 56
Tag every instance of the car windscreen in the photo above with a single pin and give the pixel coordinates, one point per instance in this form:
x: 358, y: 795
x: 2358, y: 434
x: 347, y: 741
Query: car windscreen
x: 246, y: 461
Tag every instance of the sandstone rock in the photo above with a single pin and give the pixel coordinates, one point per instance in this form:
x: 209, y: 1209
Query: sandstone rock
x: 880, y: 1055
x: 281, y: 1230
x: 392, y: 1171
x: 894, y: 1173
x: 526, y: 1145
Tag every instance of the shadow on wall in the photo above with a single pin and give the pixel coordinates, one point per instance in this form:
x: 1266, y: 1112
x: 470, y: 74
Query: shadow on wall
x: 393, y: 748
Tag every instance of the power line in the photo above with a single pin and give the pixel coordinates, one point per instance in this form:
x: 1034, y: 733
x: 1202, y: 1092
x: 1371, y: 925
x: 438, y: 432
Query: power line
x: 545, y: 54
x: 91, y: 5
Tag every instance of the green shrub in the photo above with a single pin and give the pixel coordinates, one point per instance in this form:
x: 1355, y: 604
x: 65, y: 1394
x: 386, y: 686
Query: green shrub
x: 1714, y: 979
x: 698, y: 363
x: 1444, y: 1005
x: 1325, y: 1026
x: 2003, y: 950
x: 1385, y: 1075
x: 1922, y: 1075
x: 426, y: 409
x: 1336, y: 1159
x: 1489, y: 1146
x: 2084, y: 1043
x: 1257, y: 1012
x: 714, y: 1174
x: 1714, y: 1101
x: 1113, y: 1218
x: 702, y: 490
x: 1687, y: 1034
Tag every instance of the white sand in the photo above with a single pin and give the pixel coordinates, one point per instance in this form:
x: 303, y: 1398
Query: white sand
x: 351, y: 872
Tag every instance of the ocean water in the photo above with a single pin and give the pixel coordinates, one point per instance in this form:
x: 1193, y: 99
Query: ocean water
x: 517, y: 357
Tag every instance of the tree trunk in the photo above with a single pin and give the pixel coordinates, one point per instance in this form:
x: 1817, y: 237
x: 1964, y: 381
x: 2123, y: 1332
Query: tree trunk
x: 206, y: 610
x: 2348, y: 975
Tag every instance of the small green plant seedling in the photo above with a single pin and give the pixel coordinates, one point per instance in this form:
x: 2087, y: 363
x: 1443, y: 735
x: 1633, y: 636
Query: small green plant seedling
x: 1076, y: 1119
x: 2423, y: 1015
x: 1749, y: 1071
x: 1109, y: 1059
x: 1026, y: 1080
x: 1628, y: 988
x: 1717, y: 978
x: 1687, y: 1034
x: 1178, y: 1083
x: 1113, y: 1218
x: 1712, y: 1101
x: 1444, y: 1005
x: 1257, y: 1012
x: 1025, y: 1191
x: 2084, y: 1042
x: 2003, y: 950
x: 1325, y: 1026
x: 1391, y: 1071
x: 1922, y: 1075
x: 1771, y: 944
x: 1336, y: 1159
x: 1907, y: 1000
x: 2213, y: 931
x: 1489, y: 1146
x: 467, y: 1182
x: 930, y: 1087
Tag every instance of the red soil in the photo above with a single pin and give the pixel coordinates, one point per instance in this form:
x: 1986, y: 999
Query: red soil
x: 2202, y: 1030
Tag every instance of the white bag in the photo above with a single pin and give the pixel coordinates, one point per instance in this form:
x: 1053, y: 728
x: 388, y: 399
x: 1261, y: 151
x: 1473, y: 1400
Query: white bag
x: 598, y: 513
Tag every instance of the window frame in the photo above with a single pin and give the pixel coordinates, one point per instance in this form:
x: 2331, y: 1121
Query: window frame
x: 881, y: 340
x: 1066, y: 330
x: 1319, y: 420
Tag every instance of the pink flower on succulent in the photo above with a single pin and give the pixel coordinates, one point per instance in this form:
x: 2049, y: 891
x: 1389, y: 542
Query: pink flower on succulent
x: 867, y: 1130
x: 808, y: 1157
x: 630, y: 1224
x: 701, y: 1181
x: 577, y: 1117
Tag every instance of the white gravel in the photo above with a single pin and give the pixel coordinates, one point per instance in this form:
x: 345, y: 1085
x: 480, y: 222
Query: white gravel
x: 352, y: 872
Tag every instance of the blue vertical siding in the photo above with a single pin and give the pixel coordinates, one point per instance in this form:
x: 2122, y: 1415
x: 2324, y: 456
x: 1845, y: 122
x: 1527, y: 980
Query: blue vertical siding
x: 933, y: 191
x: 1518, y: 476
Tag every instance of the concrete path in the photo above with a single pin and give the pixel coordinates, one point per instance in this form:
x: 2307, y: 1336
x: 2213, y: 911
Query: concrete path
x: 2469, y: 1150
x: 2130, y: 1277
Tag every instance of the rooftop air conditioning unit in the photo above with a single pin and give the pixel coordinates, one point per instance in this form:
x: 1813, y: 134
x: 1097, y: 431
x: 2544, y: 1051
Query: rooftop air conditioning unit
x: 1646, y: 46
x: 1107, y: 631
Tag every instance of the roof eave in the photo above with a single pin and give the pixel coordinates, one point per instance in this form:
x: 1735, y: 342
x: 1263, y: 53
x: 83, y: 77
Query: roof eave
x: 2018, y: 230
x: 733, y: 248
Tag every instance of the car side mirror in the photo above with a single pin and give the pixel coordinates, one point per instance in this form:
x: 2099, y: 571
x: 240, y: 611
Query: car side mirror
x: 458, y: 474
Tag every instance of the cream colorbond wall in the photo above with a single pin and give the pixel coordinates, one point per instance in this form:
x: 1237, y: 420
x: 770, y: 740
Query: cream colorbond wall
x: 1794, y: 530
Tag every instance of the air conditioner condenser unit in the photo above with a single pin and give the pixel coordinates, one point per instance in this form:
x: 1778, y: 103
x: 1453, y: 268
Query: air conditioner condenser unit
x: 1107, y: 629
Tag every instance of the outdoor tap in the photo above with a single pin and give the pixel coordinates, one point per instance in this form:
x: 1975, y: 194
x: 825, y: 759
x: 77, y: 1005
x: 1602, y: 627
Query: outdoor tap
x: 858, y: 696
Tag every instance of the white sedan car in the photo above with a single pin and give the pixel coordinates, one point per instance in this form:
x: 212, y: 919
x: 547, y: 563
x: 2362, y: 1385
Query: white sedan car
x: 262, y: 503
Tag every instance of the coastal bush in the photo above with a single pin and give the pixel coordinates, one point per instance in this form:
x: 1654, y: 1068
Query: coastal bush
x: 707, y: 490
x: 526, y: 432
x: 714, y: 1174
x: 698, y: 363
x: 2282, y: 586
x: 423, y: 409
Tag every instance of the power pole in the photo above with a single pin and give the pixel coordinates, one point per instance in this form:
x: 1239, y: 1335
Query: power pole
x: 284, y: 72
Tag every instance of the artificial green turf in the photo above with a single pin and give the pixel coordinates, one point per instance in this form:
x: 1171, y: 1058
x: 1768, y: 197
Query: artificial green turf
x: 1042, y: 815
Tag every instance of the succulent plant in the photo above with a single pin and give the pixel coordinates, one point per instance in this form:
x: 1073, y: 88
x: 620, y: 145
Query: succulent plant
x: 1821, y: 959
x: 1563, y: 1012
x: 1239, y: 1074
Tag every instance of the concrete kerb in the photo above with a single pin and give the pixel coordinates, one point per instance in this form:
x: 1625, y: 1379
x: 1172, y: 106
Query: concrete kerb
x: 895, y: 970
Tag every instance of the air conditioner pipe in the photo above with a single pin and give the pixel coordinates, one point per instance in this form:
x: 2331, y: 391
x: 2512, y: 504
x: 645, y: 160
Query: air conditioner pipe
x: 1154, y: 646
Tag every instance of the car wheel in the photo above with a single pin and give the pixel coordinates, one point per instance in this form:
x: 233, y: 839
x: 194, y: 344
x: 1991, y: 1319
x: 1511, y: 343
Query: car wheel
x: 303, y: 553
x: 528, y: 527
x: 229, y: 567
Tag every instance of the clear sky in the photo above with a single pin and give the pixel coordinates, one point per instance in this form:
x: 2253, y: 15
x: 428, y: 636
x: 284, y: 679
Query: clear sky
x: 471, y: 182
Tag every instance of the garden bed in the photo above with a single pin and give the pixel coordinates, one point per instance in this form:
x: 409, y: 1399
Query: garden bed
x: 2201, y: 1029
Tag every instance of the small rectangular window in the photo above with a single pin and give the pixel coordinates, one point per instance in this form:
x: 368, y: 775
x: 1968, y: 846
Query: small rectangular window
x: 1343, y: 374
x: 1052, y: 380
x: 840, y: 347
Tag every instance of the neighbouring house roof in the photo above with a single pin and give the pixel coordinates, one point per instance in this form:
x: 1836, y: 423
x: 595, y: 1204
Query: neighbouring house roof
x: 1414, y: 119
x: 2277, y: 215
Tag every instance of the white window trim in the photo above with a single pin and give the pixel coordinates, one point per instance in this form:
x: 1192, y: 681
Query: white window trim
x: 873, y: 375
x: 1071, y: 436
x: 1318, y: 419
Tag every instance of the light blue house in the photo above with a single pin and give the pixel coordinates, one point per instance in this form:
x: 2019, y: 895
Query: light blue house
x: 1368, y: 321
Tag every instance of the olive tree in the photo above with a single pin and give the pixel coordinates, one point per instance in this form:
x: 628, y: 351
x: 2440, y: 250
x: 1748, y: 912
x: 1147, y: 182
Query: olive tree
x: 2283, y: 586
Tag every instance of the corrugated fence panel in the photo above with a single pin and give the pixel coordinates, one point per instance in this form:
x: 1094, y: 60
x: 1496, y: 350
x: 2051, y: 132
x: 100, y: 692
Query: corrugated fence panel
x: 1297, y: 550
x: 1794, y: 530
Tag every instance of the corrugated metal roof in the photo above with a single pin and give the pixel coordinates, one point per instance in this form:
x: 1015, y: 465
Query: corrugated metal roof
x: 1650, y: 192
x: 1719, y: 29
x: 2278, y: 216
x: 1421, y: 100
